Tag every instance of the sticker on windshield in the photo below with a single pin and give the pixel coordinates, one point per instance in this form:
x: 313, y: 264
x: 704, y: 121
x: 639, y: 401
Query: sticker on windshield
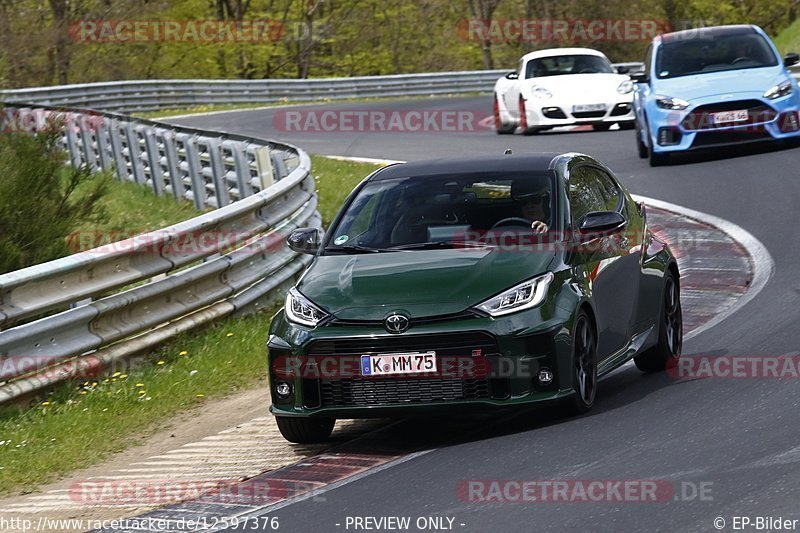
x: 341, y: 239
x: 663, y: 74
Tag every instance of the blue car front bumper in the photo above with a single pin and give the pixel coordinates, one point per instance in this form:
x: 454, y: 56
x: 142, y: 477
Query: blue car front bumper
x: 693, y: 128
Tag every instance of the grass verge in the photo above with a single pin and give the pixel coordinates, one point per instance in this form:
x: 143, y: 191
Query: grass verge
x: 81, y: 424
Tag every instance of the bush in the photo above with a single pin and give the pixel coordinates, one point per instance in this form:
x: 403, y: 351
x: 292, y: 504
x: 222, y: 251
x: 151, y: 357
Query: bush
x: 41, y: 199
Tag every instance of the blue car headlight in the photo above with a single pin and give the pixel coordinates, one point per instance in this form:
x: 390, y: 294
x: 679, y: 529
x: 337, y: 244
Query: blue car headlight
x: 526, y: 295
x: 669, y: 102
x: 782, y: 89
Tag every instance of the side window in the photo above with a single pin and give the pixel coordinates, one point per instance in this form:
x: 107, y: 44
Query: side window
x: 607, y: 188
x: 584, y: 194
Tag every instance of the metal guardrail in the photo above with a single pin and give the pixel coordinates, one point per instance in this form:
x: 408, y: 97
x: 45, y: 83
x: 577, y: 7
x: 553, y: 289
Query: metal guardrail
x: 74, y: 316
x: 208, y: 168
x: 130, y: 96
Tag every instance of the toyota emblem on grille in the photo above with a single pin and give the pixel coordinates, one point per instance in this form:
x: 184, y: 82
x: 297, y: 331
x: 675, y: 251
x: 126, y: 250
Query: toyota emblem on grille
x: 396, y: 323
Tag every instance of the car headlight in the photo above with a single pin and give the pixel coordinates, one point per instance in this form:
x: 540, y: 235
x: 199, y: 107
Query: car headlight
x: 668, y: 102
x: 541, y: 92
x: 625, y: 87
x: 783, y: 89
x: 523, y: 296
x: 301, y: 310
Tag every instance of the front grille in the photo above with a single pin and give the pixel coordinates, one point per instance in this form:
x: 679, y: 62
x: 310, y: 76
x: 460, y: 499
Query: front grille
x: 716, y: 138
x: 385, y: 391
x: 589, y: 114
x: 699, y: 118
x: 452, y: 344
x: 355, y: 390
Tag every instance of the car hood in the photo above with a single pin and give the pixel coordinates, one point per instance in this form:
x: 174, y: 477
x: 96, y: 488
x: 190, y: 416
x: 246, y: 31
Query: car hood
x: 419, y: 283
x: 580, y: 88
x: 756, y: 80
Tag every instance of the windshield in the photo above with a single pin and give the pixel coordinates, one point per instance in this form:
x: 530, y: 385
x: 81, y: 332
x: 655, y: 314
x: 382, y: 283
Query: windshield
x: 442, y: 211
x: 704, y: 54
x: 573, y: 64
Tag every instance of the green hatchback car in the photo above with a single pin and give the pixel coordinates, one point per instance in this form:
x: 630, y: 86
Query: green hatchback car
x: 486, y: 282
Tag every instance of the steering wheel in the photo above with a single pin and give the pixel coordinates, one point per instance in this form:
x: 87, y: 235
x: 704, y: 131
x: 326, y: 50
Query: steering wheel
x: 740, y: 59
x: 512, y: 221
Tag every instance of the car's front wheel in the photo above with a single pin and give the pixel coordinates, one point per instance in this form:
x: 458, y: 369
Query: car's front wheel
x: 500, y: 127
x: 584, y: 364
x: 640, y: 146
x: 670, y: 333
x: 305, y: 430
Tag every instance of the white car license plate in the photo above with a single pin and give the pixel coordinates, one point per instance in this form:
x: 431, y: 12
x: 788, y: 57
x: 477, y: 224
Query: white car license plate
x: 581, y: 108
x: 393, y: 364
x: 724, y: 117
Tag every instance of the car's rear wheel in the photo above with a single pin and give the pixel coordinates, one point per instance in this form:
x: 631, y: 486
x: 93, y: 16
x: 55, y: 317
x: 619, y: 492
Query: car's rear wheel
x: 601, y: 126
x: 305, y: 430
x: 584, y: 364
x: 499, y: 126
x: 670, y: 334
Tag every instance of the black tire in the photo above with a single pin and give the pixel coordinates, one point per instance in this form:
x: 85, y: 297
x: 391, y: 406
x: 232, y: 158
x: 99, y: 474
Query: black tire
x: 670, y: 330
x: 627, y: 125
x: 499, y: 126
x: 640, y: 146
x: 305, y: 430
x: 656, y: 159
x: 584, y: 365
x: 601, y: 126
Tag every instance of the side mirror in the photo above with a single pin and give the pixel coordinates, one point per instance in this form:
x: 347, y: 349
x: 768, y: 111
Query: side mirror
x: 305, y: 240
x: 791, y: 59
x: 622, y: 69
x: 601, y: 224
x: 512, y: 76
x: 640, y: 77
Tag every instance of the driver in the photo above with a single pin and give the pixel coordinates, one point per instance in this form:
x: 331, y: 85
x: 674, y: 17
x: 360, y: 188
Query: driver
x: 533, y: 198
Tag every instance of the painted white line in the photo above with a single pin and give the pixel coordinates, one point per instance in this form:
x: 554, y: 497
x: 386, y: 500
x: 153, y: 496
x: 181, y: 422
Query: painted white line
x: 762, y: 262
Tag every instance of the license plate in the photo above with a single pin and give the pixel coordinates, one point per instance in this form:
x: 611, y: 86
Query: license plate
x: 724, y: 117
x: 588, y: 107
x: 394, y: 364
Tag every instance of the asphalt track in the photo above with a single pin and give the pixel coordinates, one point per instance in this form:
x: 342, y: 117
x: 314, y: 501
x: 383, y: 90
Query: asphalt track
x: 737, y: 436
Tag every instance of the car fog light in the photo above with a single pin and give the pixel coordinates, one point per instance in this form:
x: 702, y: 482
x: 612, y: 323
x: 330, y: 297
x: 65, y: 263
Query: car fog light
x: 283, y: 389
x: 545, y: 376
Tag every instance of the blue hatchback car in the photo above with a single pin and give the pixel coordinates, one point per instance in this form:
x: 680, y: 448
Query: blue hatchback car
x: 714, y: 86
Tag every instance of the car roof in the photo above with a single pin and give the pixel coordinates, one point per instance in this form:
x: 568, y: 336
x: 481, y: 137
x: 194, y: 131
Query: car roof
x: 550, y: 52
x: 708, y: 32
x: 531, y: 162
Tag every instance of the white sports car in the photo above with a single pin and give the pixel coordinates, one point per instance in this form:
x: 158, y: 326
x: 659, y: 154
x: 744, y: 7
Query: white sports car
x: 562, y: 87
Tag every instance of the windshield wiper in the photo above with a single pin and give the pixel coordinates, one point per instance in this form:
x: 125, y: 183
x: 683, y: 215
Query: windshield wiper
x: 354, y: 249
x: 433, y: 245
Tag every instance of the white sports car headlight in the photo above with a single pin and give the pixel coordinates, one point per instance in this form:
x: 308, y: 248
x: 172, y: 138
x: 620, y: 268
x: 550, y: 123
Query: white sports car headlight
x: 783, y: 89
x: 625, y: 87
x: 668, y: 102
x: 301, y: 310
x: 541, y: 92
x: 526, y: 295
